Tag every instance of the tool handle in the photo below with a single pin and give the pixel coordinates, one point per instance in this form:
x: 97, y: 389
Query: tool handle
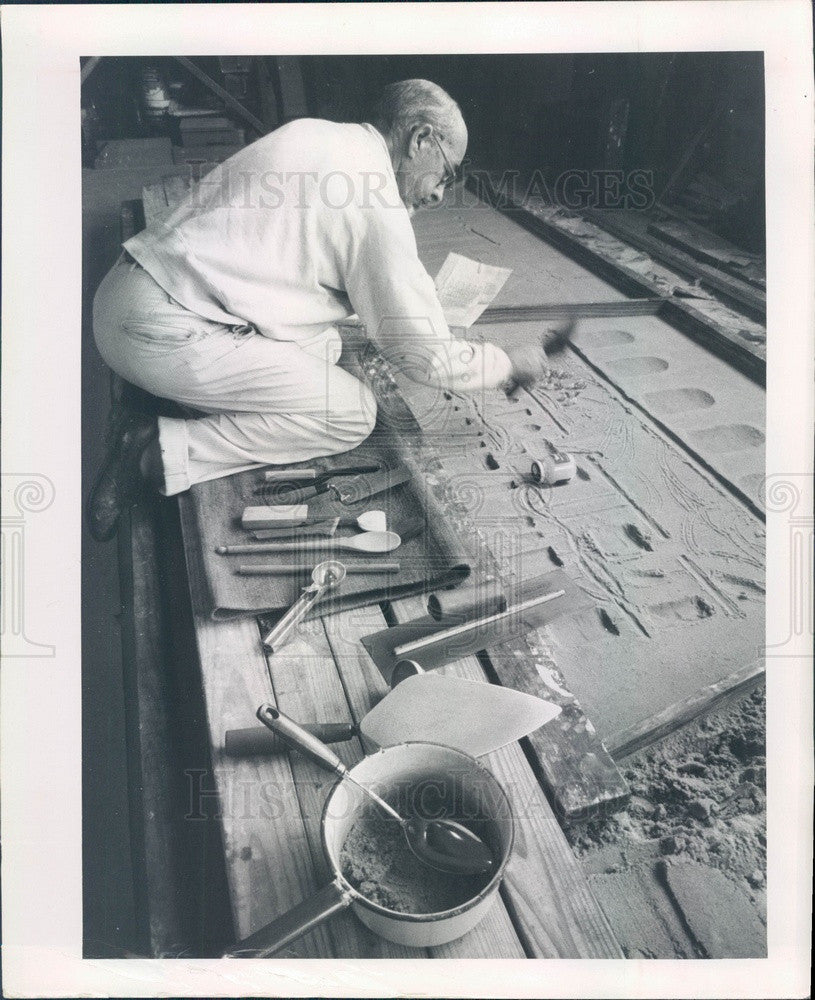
x: 259, y: 740
x: 306, y: 544
x: 272, y: 569
x: 290, y: 475
x: 296, y: 613
x: 300, y: 739
x: 302, y: 918
x: 300, y: 495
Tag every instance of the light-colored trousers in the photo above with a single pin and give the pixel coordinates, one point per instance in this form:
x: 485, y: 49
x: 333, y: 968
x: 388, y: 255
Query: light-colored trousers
x: 267, y: 401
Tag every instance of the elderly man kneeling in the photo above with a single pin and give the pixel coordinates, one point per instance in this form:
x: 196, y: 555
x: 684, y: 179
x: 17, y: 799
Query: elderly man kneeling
x: 230, y: 305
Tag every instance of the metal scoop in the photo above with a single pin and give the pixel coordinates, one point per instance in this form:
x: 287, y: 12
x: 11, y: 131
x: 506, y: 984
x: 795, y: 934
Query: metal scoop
x: 442, y: 844
x: 324, y: 576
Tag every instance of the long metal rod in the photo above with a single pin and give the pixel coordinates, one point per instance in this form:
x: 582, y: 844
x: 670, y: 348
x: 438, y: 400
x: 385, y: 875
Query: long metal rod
x: 400, y: 652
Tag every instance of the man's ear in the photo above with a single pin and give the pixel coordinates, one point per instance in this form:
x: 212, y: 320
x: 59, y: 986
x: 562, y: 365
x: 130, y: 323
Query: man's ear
x: 419, y: 135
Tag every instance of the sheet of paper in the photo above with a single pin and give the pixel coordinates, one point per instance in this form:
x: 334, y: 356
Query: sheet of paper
x: 466, y: 287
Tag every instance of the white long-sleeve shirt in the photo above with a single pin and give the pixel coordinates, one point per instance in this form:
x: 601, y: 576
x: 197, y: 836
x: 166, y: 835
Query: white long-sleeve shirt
x: 297, y: 232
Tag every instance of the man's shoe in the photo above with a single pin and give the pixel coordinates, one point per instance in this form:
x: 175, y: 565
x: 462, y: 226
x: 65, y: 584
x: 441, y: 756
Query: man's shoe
x: 119, y: 481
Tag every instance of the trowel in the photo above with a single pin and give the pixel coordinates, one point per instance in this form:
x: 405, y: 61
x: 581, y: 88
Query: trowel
x: 472, y: 716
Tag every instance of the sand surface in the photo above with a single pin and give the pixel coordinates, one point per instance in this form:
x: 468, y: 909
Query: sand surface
x: 377, y: 861
x: 682, y: 873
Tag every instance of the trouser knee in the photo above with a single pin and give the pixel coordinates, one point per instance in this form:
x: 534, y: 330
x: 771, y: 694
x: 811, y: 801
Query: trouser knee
x: 356, y: 422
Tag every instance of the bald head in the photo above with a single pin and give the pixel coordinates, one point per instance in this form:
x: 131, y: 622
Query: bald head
x: 426, y: 134
x: 408, y: 103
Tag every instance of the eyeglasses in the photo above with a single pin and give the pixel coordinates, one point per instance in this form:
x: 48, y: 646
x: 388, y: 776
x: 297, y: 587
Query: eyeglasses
x: 451, y: 173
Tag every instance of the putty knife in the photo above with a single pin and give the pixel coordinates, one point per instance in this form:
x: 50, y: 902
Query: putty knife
x: 467, y: 715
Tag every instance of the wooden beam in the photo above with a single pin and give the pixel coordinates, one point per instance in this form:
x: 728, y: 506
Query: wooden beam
x: 664, y: 723
x: 224, y: 95
x: 743, y: 295
x: 680, y: 313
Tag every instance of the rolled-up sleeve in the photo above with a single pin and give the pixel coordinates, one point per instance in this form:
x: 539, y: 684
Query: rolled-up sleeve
x: 395, y: 298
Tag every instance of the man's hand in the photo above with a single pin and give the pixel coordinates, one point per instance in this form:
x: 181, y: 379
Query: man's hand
x: 529, y: 362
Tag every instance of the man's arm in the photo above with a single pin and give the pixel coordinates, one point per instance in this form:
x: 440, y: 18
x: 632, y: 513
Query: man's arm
x: 396, y: 299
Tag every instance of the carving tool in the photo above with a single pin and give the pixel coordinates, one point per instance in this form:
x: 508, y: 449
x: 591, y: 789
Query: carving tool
x: 291, y: 475
x: 553, y: 342
x: 408, y: 649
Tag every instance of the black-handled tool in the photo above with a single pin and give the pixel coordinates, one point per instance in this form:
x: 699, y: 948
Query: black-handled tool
x: 283, y: 490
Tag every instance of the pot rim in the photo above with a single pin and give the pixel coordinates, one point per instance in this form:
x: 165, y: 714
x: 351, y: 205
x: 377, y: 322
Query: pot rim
x: 473, y: 901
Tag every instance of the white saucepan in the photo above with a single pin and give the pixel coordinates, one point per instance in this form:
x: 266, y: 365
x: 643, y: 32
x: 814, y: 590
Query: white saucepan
x: 447, y: 775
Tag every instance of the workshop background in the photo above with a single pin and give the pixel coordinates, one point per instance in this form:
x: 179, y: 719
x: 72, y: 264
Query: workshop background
x: 693, y: 121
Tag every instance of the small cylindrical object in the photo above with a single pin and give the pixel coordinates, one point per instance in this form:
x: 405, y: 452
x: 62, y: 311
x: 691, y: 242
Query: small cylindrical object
x: 467, y: 602
x: 260, y: 740
x: 558, y: 467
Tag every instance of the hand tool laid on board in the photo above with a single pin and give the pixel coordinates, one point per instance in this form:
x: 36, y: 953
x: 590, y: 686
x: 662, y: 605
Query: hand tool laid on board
x: 309, y: 529
x: 277, y: 570
x: 371, y: 520
x: 291, y: 475
x: 416, y: 765
x: 348, y: 489
x: 442, y: 844
x: 309, y: 475
x: 283, y: 516
x: 277, y: 484
x: 326, y: 575
x: 542, y: 600
x: 366, y: 541
x: 471, y: 716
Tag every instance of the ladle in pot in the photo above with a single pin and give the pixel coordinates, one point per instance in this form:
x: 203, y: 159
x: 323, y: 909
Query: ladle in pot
x: 442, y: 844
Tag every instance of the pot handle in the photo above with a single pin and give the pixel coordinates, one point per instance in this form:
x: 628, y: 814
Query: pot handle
x: 299, y: 920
